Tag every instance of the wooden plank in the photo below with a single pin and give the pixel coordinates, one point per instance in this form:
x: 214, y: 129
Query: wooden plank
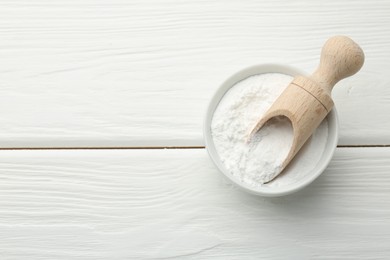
x: 173, y: 204
x: 140, y: 73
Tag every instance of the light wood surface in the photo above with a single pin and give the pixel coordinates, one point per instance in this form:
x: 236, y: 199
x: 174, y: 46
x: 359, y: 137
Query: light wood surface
x: 173, y: 204
x: 138, y: 73
x: 120, y: 73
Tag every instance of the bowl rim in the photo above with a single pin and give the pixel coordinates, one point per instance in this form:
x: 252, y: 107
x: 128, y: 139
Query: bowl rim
x: 327, y: 154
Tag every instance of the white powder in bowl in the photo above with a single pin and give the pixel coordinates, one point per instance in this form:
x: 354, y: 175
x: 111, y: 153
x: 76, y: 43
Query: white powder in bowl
x: 260, y: 160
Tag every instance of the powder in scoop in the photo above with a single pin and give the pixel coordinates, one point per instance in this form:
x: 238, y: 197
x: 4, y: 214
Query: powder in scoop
x: 260, y: 160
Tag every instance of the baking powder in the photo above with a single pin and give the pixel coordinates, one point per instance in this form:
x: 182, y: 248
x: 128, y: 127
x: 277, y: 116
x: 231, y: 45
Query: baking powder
x: 260, y: 160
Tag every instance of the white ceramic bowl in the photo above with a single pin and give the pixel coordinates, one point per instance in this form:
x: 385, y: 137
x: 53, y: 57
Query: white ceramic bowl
x: 318, y: 167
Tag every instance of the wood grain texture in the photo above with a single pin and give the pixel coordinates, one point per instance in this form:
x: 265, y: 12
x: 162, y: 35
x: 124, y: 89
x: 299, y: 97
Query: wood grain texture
x: 140, y: 73
x: 173, y: 204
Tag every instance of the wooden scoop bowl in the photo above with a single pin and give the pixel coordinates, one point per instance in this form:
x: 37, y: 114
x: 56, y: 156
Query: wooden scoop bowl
x: 307, y: 100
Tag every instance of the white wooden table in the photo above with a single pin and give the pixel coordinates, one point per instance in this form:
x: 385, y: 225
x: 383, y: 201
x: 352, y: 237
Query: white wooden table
x: 87, y: 86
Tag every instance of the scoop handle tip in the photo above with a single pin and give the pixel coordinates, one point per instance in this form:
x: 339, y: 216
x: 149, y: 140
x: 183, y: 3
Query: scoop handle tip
x: 341, y: 57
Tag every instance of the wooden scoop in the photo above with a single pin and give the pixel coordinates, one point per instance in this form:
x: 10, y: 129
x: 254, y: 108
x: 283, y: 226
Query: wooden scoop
x: 307, y: 100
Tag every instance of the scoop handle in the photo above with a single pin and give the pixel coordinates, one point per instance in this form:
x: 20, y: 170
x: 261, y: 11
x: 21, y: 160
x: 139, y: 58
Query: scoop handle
x: 341, y: 57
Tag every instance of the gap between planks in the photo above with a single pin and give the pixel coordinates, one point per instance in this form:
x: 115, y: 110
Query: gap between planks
x: 154, y: 147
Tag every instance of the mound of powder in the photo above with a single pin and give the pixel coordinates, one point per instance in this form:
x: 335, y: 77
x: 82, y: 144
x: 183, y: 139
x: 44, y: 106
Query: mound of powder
x: 260, y: 160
